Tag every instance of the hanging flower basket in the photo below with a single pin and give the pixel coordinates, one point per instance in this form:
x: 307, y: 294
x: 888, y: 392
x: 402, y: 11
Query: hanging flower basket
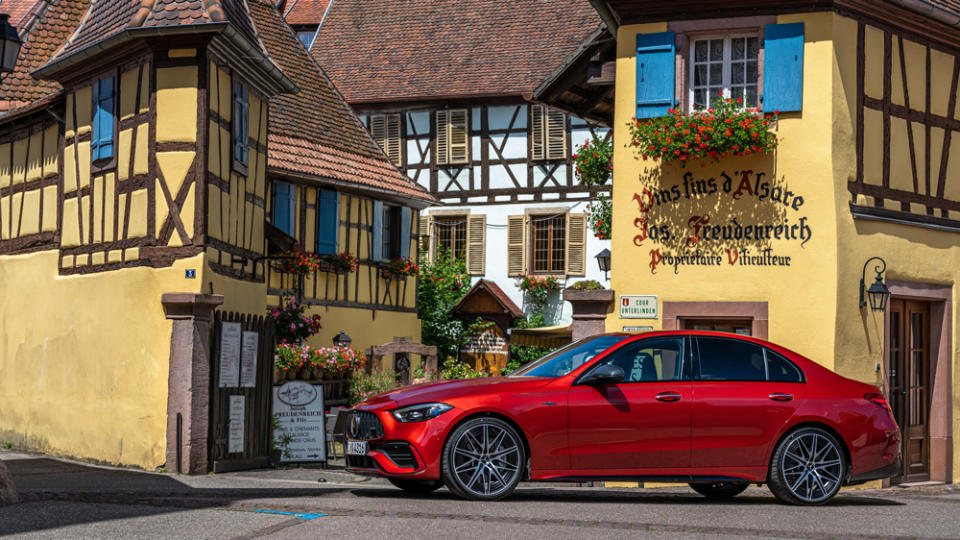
x: 293, y: 324
x: 399, y: 268
x: 600, y: 216
x: 339, y: 263
x: 298, y: 262
x: 593, y: 161
x: 705, y: 135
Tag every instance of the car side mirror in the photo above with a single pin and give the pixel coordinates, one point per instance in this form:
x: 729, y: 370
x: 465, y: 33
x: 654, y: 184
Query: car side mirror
x: 605, y: 374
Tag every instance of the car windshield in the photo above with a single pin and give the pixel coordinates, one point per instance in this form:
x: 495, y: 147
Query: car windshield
x: 562, y: 361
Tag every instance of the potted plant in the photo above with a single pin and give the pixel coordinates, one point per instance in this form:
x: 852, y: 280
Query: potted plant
x: 590, y: 303
x: 339, y: 263
x: 297, y: 262
x: 279, y: 441
x: 400, y: 267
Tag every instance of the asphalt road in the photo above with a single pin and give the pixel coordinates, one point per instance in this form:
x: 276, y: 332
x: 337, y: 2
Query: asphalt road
x: 228, y: 508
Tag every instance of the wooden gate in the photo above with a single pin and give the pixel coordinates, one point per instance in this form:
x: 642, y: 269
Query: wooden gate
x: 246, y: 386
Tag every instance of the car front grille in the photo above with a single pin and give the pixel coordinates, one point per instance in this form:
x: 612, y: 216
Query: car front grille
x: 364, y: 425
x: 361, y: 462
x: 400, y: 453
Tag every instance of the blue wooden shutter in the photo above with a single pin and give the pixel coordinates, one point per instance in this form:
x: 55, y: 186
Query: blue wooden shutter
x: 405, y: 219
x: 328, y: 219
x: 101, y: 144
x: 783, y: 67
x: 377, y: 248
x: 245, y: 119
x: 284, y: 207
x: 655, y: 74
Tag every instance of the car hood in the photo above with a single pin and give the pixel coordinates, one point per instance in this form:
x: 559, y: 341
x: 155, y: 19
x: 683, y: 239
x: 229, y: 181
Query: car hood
x: 447, y: 390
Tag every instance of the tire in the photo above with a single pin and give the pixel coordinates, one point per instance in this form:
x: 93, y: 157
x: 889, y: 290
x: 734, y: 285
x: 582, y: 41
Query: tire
x: 807, y: 467
x: 483, y: 459
x: 719, y: 490
x: 416, y: 487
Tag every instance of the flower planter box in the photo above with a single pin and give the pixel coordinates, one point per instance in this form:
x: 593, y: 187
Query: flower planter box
x: 590, y: 309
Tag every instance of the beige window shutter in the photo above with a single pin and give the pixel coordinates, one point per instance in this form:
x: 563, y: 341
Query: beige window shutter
x: 459, y: 141
x: 576, y: 244
x: 443, y: 141
x: 378, y: 130
x: 516, y: 245
x: 556, y: 134
x: 476, y: 243
x: 536, y: 131
x: 393, y: 141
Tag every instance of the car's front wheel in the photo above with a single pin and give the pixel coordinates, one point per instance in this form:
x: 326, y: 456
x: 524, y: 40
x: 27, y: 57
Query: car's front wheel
x: 483, y: 459
x: 807, y: 467
x: 418, y: 487
x: 719, y: 490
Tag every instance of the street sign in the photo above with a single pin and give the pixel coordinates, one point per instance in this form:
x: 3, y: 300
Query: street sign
x: 635, y: 306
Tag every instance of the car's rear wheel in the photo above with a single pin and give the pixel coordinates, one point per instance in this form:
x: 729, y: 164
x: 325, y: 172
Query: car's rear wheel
x: 807, y: 467
x: 419, y: 487
x: 483, y: 459
x: 719, y: 490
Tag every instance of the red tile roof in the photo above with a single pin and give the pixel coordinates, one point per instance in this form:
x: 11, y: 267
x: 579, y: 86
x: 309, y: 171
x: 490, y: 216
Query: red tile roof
x: 17, y: 10
x: 314, y: 133
x: 393, y: 50
x: 305, y: 11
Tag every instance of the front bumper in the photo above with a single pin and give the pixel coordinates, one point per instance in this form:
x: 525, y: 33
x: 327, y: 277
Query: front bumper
x: 402, y: 450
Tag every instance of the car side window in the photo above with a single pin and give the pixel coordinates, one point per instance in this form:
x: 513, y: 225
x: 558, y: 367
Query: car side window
x: 779, y: 369
x: 724, y: 359
x: 650, y: 360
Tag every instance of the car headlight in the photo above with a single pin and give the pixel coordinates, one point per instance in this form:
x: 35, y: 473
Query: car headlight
x: 420, y: 412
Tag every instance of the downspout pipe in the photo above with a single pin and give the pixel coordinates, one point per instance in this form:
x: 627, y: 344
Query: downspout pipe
x: 946, y: 16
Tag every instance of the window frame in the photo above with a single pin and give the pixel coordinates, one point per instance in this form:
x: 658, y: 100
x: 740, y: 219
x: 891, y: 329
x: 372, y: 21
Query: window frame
x: 697, y: 377
x: 532, y: 235
x: 240, y: 166
x: 727, y: 61
x: 460, y: 219
x: 109, y: 162
x: 686, y: 358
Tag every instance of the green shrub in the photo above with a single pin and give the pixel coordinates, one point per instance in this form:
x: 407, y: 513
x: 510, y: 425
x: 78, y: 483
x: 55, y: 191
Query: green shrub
x: 454, y: 369
x: 586, y: 285
x: 364, y: 385
x: 442, y: 283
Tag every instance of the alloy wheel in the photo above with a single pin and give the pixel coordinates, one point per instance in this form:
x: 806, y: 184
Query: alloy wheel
x: 812, y: 467
x: 487, y: 459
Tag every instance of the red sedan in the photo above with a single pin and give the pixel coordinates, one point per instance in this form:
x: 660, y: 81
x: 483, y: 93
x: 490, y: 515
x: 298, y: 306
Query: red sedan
x: 718, y: 411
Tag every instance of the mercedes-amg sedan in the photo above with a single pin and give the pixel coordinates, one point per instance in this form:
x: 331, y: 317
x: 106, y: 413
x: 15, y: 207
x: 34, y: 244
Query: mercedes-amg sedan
x: 718, y: 411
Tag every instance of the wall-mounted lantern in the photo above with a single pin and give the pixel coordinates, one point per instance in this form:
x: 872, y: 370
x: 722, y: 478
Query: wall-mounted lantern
x: 603, y: 261
x: 342, y: 340
x: 878, y: 292
x: 9, y: 44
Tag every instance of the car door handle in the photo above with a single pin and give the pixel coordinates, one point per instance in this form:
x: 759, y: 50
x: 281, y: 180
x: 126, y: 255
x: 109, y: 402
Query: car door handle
x: 669, y: 397
x: 777, y: 396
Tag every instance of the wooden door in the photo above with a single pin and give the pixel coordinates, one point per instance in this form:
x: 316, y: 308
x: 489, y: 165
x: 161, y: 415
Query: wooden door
x: 909, y: 383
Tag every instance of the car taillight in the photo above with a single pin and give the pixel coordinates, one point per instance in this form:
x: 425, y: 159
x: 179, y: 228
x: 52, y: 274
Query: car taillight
x: 876, y: 398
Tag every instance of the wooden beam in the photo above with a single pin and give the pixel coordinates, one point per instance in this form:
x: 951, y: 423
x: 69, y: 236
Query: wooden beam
x: 606, y: 77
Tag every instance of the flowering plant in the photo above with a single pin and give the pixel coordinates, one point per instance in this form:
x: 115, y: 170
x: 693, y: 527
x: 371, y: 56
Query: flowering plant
x: 529, y: 283
x: 342, y: 262
x: 298, y: 262
x: 291, y: 356
x: 600, y: 216
x: 592, y: 161
x: 402, y: 266
x: 339, y: 360
x: 705, y: 134
x: 293, y: 325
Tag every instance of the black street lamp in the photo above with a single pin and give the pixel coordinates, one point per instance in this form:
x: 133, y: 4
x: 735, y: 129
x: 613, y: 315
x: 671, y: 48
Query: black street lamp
x: 342, y: 340
x: 9, y: 44
x: 603, y: 261
x: 878, y: 292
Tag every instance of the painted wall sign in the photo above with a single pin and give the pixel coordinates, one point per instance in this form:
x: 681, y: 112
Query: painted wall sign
x: 299, y: 407
x: 248, y: 359
x: 489, y: 349
x: 730, y: 220
x: 235, y: 429
x: 634, y: 306
x: 230, y: 354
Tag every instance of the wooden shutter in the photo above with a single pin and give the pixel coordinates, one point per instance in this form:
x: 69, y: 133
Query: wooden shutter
x: 378, y: 130
x: 783, y: 67
x: 328, y: 221
x: 476, y: 243
x: 655, y: 74
x: 405, y: 223
x: 394, y: 142
x: 284, y: 207
x: 101, y: 144
x: 442, y: 141
x: 576, y: 244
x: 241, y: 122
x: 556, y: 134
x: 459, y: 141
x: 516, y: 245
x: 426, y: 240
x: 536, y: 131
x: 376, y: 252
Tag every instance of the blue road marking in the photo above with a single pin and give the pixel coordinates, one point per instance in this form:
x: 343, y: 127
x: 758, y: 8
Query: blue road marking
x: 299, y: 515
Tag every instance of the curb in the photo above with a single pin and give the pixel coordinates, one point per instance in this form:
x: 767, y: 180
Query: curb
x: 8, y: 490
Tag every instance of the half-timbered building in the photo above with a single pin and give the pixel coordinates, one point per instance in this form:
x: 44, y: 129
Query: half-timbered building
x: 154, y: 157
x: 862, y: 189
x: 446, y: 89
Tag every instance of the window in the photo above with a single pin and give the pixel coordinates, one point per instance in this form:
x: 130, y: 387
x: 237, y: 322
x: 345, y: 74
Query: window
x: 650, y: 360
x: 730, y: 360
x: 328, y: 221
x: 562, y: 361
x: 241, y: 125
x: 453, y: 141
x: 780, y: 369
x: 553, y: 243
x: 728, y: 65
x: 464, y: 235
x: 451, y: 234
x: 391, y: 231
x: 306, y: 33
x: 385, y: 129
x: 731, y: 326
x: 101, y: 144
x: 548, y: 133
x: 285, y: 207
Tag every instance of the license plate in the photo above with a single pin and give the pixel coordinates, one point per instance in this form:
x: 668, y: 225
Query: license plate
x: 357, y: 448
